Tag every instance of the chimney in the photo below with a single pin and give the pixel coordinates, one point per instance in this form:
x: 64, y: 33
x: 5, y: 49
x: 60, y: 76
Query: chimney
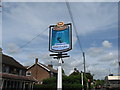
x: 0, y: 50
x: 36, y: 60
x: 50, y: 65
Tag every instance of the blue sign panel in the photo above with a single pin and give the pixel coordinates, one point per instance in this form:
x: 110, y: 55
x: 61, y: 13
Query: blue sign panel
x: 60, y: 38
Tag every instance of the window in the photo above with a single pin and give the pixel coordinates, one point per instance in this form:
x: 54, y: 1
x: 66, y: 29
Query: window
x: 28, y: 73
x: 5, y: 68
x: 20, y: 72
x: 51, y: 74
x: 15, y: 71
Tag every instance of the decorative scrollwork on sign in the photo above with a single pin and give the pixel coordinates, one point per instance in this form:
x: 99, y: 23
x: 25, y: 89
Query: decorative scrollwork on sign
x: 60, y: 26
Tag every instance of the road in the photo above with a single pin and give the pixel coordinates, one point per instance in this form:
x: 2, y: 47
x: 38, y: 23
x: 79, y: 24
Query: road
x: 99, y: 89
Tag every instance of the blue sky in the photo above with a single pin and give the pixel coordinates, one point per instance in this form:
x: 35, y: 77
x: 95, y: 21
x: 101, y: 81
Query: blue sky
x: 97, y: 27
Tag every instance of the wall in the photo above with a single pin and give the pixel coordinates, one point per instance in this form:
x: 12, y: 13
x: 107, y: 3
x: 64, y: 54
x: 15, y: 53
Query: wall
x: 39, y: 73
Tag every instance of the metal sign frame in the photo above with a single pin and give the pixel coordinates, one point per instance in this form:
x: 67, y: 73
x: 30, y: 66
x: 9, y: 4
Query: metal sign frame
x: 51, y: 28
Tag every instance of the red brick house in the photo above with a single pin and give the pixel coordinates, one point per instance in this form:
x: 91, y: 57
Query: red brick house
x: 40, y: 71
x: 13, y: 75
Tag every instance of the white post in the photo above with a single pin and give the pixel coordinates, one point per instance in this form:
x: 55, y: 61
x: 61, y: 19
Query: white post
x: 24, y: 86
x: 82, y: 77
x: 87, y: 85
x: 59, y: 78
x: 2, y: 83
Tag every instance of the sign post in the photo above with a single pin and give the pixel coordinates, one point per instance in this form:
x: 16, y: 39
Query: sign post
x: 60, y: 40
x: 59, y: 78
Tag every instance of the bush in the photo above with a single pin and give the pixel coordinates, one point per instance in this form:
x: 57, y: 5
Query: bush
x: 54, y: 86
x: 52, y: 80
x: 72, y: 79
x: 72, y: 86
x: 45, y: 86
x: 69, y: 82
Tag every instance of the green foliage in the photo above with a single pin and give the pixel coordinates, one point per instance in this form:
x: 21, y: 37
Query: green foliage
x: 69, y: 82
x: 63, y: 72
x: 89, y: 76
x: 48, y: 84
x: 46, y: 87
x: 72, y: 86
x: 99, y: 82
x: 74, y: 74
x: 50, y: 80
x: 72, y: 79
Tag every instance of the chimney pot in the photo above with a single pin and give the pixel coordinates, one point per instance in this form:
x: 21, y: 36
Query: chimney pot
x: 36, y: 60
x: 0, y: 50
x: 50, y: 65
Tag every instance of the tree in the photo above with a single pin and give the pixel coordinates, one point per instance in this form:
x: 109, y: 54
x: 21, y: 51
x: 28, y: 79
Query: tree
x: 99, y: 82
x: 75, y: 72
x: 69, y: 82
x: 89, y: 76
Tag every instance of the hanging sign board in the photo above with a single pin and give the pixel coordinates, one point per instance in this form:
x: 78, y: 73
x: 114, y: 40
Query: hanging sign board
x: 60, y: 37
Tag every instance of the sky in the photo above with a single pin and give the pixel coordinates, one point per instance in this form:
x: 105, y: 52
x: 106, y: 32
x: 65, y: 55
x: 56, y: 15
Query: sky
x: 25, y: 34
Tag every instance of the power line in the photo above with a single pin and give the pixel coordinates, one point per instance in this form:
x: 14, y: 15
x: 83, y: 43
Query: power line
x: 71, y: 16
x: 32, y: 39
x: 72, y: 19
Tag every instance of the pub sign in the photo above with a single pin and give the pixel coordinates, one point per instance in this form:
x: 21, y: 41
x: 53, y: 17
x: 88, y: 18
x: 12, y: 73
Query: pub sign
x: 60, y: 37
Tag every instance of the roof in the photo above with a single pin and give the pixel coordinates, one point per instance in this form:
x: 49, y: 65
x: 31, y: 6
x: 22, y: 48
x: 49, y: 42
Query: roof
x: 113, y: 77
x: 49, y: 69
x: 11, y: 61
x: 17, y: 77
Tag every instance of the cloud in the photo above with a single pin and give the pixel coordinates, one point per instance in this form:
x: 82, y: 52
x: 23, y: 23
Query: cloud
x: 108, y: 57
x: 47, y: 59
x: 99, y: 58
x: 98, y: 51
x: 95, y: 17
x: 28, y: 15
x: 32, y: 56
x: 99, y: 71
x: 106, y: 44
x: 1, y: 43
x: 0, y: 28
x: 12, y: 48
x: 115, y: 63
x: 60, y: 1
x: 95, y: 51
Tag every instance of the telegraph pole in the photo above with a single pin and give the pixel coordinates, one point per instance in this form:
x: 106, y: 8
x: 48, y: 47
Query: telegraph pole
x: 84, y: 74
x: 118, y: 69
x: 84, y: 62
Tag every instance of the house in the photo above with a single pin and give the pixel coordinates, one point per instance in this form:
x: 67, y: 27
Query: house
x: 13, y: 74
x: 40, y: 71
x: 112, y: 81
